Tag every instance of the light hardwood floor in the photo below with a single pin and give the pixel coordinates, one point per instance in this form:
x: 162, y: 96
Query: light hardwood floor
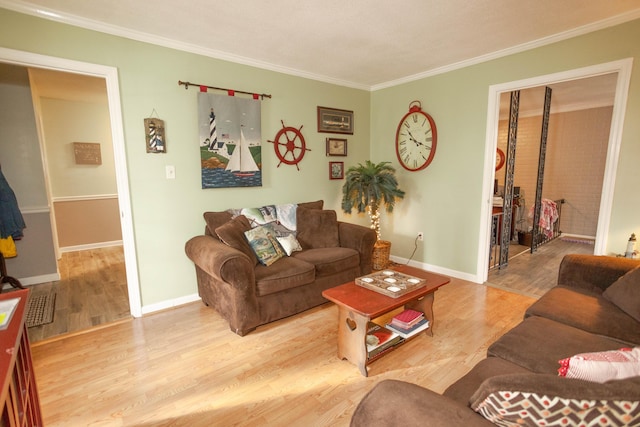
x: 183, y: 367
x: 92, y: 291
x: 534, y: 274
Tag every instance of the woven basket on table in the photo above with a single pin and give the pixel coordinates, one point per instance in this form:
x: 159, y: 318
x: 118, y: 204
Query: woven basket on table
x: 381, y: 252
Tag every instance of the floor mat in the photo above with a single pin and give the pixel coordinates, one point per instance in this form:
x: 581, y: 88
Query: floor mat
x: 40, y: 309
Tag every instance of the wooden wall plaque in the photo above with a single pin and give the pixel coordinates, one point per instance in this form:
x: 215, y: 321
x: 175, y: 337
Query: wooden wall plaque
x: 87, y: 153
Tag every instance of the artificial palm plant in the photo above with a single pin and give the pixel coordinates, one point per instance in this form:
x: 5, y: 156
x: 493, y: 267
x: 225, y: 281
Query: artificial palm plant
x: 370, y: 187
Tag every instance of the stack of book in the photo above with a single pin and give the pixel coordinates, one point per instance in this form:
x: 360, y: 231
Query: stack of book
x: 408, y: 323
x: 380, y: 339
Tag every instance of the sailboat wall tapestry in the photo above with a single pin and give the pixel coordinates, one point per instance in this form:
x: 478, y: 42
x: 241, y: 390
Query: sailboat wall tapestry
x: 230, y: 141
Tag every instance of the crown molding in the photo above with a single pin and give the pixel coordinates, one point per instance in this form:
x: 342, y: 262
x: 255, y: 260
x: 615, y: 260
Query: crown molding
x: 585, y: 29
x: 50, y: 14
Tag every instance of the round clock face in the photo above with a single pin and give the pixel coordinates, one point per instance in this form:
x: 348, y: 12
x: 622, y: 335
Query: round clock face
x: 499, y: 159
x: 416, y: 140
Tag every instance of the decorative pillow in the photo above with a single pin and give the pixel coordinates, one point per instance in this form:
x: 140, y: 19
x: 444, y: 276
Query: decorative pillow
x: 318, y: 204
x: 286, y: 215
x: 317, y: 228
x: 625, y: 293
x: 216, y: 219
x: 602, y: 366
x: 548, y: 400
x: 264, y: 245
x: 232, y: 234
x: 261, y: 215
x: 289, y: 243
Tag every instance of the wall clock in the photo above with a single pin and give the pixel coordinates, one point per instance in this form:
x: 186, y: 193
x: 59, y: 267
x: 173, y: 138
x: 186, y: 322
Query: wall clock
x: 289, y: 145
x: 416, y: 139
x: 499, y: 159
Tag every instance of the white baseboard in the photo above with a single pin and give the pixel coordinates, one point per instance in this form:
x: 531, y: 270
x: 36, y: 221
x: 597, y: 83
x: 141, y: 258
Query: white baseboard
x: 435, y: 269
x: 34, y: 280
x: 147, y: 309
x: 91, y: 246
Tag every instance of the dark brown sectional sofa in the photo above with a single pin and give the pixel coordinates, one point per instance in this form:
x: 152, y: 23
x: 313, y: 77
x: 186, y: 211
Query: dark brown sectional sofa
x: 595, y: 307
x: 248, y: 294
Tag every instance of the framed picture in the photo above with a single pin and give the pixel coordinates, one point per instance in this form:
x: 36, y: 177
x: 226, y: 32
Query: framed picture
x: 154, y: 135
x: 87, y: 153
x: 332, y: 120
x: 336, y: 170
x: 336, y: 147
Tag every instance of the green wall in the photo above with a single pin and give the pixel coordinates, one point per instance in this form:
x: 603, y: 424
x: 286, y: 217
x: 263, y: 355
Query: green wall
x: 166, y: 213
x: 443, y: 201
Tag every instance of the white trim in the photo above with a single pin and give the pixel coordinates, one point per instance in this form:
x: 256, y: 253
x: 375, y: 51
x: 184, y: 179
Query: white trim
x: 623, y: 68
x: 164, y: 305
x: 83, y: 198
x: 434, y: 268
x: 90, y: 246
x: 35, y: 210
x: 585, y: 29
x: 94, y: 25
x: 110, y: 74
x: 35, y: 280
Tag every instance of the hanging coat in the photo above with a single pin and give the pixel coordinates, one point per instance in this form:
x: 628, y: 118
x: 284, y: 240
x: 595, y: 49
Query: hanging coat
x: 11, y: 221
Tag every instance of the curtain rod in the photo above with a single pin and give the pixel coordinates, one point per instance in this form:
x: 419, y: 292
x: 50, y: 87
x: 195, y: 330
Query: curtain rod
x: 229, y: 91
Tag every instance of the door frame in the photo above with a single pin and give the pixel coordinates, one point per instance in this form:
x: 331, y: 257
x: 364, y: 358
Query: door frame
x: 623, y: 69
x: 110, y: 74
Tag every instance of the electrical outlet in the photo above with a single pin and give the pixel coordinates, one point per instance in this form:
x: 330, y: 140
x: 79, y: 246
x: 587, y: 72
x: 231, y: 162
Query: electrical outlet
x: 420, y: 236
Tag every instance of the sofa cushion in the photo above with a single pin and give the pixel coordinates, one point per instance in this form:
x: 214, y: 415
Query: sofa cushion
x: 264, y: 244
x: 285, y: 274
x: 317, y: 228
x: 462, y: 390
x: 625, y: 293
x: 535, y: 399
x: 538, y: 343
x: 602, y: 366
x: 328, y: 261
x: 318, y: 204
x: 232, y: 234
x: 588, y: 311
x: 215, y: 220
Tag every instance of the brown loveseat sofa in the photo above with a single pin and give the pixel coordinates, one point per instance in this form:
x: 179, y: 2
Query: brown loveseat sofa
x: 249, y: 294
x: 595, y: 307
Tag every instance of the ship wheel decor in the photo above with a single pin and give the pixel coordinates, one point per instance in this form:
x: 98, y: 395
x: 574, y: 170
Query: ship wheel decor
x: 289, y: 145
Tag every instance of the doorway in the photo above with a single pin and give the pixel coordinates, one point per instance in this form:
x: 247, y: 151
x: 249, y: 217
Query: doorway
x: 110, y: 76
x: 622, y: 70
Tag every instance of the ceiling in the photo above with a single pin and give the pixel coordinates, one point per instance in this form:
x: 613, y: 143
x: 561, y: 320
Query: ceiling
x: 365, y: 44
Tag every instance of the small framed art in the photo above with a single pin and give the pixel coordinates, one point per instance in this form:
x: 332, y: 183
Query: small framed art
x: 87, y: 153
x: 336, y: 170
x: 336, y: 147
x: 332, y: 120
x: 154, y: 135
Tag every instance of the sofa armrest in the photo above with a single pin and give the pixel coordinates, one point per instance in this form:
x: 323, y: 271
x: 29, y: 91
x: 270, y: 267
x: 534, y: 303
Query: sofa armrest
x: 361, y: 239
x: 398, y: 403
x: 592, y: 272
x: 221, y: 261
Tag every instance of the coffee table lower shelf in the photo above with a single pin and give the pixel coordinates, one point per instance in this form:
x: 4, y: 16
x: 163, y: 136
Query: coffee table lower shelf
x: 352, y: 333
x: 357, y: 306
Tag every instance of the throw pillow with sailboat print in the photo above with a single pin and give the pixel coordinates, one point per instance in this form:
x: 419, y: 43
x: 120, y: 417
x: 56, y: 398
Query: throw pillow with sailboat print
x: 230, y: 141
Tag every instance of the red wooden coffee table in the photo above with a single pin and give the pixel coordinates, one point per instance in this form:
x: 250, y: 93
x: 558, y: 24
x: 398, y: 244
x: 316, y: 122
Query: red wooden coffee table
x: 358, y: 306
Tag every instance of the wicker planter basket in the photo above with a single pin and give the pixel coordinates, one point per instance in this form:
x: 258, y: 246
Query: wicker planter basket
x: 381, y: 252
